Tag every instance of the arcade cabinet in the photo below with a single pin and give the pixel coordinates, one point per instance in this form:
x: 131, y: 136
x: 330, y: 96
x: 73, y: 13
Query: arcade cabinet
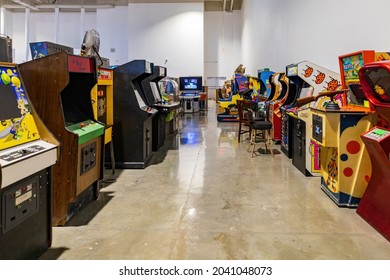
x: 190, y: 88
x: 374, y: 205
x: 62, y: 97
x: 295, y: 88
x: 274, y: 113
x: 27, y: 152
x: 41, y: 49
x: 263, y: 76
x: 154, y: 99
x: 5, y: 48
x: 306, y: 152
x: 169, y: 89
x: 102, y: 96
x: 132, y: 134
x: 345, y: 164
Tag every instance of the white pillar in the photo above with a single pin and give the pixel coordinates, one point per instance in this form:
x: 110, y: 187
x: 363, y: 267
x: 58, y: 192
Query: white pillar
x: 82, y: 24
x: 27, y: 31
x: 56, y: 23
x: 2, y: 15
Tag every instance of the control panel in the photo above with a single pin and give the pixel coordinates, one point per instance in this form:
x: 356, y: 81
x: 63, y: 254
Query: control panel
x: 377, y: 134
x: 21, y: 153
x: 88, y: 157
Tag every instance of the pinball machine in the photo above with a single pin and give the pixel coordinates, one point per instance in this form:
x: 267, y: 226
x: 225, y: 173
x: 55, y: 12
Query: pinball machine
x: 374, y: 205
x: 132, y: 133
x: 154, y: 99
x: 59, y: 87
x: 345, y: 164
x: 28, y: 151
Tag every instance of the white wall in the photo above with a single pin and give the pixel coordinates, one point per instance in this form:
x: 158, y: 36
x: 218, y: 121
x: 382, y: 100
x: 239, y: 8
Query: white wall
x: 263, y: 35
x: 42, y: 28
x: 276, y: 33
x: 112, y: 25
x: 222, y: 43
x: 168, y: 31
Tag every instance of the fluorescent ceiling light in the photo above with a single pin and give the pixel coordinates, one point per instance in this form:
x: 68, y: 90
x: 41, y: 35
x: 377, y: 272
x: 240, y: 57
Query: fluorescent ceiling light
x: 26, y: 4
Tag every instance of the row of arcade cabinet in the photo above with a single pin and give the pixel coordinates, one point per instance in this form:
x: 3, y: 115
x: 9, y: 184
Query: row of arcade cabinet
x: 238, y: 88
x: 140, y: 113
x: 313, y: 123
x: 47, y: 98
x: 327, y: 130
x: 55, y: 123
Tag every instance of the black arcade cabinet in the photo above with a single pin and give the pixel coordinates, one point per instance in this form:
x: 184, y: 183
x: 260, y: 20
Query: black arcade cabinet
x: 132, y: 133
x: 155, y: 100
x: 295, y: 86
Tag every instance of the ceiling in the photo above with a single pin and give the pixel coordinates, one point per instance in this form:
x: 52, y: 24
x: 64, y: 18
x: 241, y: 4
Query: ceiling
x: 73, y: 5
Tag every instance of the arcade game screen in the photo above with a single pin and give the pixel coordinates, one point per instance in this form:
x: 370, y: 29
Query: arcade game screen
x: 355, y: 95
x: 190, y: 83
x: 17, y: 125
x: 38, y: 50
x: 156, y: 92
x: 351, y: 65
x: 379, y: 80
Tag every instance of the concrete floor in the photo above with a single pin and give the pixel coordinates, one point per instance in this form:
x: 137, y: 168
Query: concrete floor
x: 204, y: 197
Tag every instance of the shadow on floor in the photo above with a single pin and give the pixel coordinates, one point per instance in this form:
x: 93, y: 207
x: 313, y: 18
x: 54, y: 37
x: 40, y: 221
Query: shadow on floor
x: 53, y: 253
x: 172, y: 142
x: 89, y: 211
x: 263, y: 151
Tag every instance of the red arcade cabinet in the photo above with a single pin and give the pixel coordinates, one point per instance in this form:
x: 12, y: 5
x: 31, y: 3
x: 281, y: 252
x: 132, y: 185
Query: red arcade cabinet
x: 374, y: 206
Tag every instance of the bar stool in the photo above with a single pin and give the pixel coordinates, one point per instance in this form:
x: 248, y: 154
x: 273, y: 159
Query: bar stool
x: 260, y: 133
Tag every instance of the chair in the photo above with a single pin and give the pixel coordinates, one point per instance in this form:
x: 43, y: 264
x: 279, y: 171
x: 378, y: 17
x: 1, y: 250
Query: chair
x: 260, y: 132
x: 243, y: 122
x: 243, y: 106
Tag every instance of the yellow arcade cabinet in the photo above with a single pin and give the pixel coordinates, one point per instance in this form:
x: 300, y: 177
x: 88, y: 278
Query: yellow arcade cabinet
x: 345, y: 163
x: 27, y: 152
x: 102, y: 96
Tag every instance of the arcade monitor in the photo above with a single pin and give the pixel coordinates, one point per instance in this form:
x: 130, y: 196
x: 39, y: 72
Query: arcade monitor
x: 41, y: 49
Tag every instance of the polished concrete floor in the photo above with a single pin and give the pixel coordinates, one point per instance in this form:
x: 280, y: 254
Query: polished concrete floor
x: 204, y: 197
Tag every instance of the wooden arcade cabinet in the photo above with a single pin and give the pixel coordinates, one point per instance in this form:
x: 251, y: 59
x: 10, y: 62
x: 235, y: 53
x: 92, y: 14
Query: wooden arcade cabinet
x: 27, y: 152
x: 374, y: 205
x: 60, y: 87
